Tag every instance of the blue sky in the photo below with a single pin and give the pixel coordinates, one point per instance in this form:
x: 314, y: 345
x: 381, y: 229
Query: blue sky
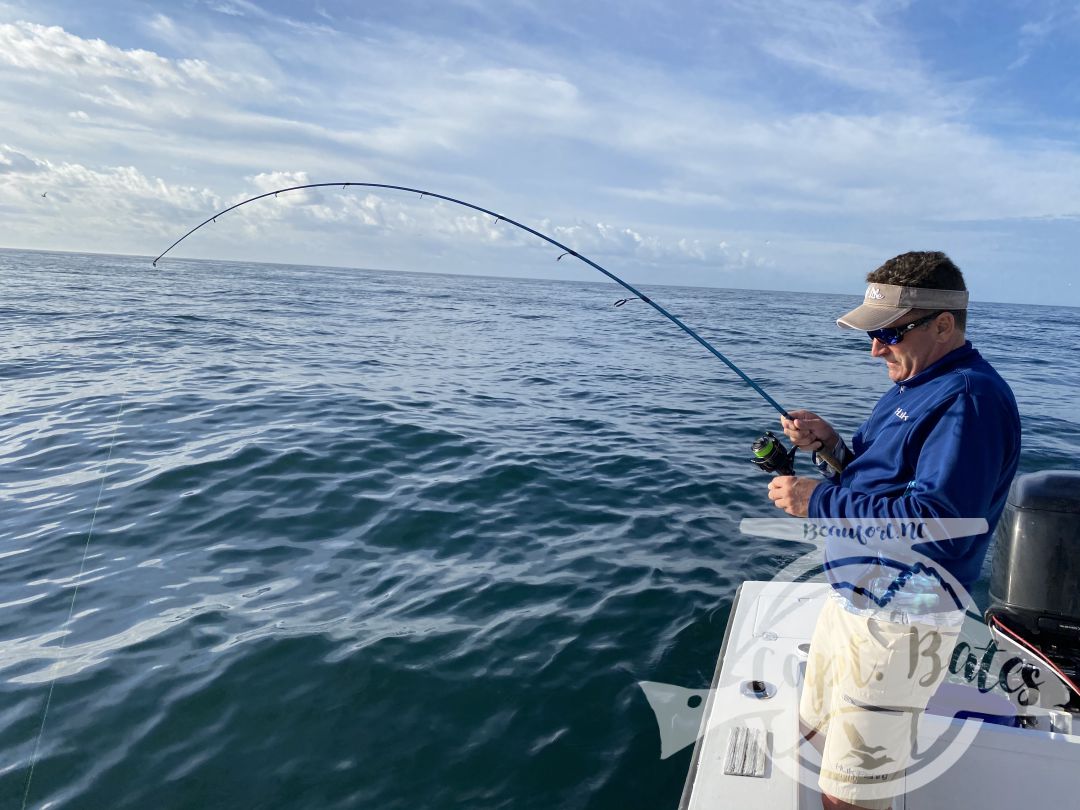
x: 791, y: 144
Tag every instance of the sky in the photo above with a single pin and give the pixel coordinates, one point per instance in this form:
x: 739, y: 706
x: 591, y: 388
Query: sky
x: 788, y: 145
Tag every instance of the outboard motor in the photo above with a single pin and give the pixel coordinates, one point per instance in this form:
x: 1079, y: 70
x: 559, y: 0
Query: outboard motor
x: 1035, y: 581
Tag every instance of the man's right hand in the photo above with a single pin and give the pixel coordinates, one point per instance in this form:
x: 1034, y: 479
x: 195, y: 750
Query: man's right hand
x: 808, y: 431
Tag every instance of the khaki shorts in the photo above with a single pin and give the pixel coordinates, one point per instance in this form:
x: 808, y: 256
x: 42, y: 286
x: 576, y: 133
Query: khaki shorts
x: 867, y: 683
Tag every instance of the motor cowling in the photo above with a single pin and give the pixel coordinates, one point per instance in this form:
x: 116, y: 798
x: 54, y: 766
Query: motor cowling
x: 1035, y: 579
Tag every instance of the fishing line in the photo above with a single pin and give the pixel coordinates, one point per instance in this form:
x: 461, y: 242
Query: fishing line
x: 567, y: 251
x: 74, y: 595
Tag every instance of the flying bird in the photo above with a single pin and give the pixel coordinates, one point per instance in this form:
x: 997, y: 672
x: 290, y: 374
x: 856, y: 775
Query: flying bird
x: 865, y: 755
x: 857, y: 741
x: 44, y: 193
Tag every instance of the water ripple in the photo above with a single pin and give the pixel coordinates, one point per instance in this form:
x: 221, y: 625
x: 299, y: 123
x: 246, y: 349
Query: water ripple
x: 391, y: 539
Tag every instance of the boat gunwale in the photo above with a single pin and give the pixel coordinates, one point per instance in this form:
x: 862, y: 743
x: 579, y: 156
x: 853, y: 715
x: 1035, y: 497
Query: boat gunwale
x: 691, y: 777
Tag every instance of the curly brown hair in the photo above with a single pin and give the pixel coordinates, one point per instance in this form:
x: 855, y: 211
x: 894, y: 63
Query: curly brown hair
x: 927, y: 268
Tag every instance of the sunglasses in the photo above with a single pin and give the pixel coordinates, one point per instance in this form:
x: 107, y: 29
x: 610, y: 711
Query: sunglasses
x: 894, y: 334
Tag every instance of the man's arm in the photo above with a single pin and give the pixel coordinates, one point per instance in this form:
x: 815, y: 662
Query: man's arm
x: 956, y: 474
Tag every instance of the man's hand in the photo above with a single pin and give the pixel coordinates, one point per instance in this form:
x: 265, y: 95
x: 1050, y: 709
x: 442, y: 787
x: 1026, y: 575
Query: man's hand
x: 808, y: 431
x: 792, y: 493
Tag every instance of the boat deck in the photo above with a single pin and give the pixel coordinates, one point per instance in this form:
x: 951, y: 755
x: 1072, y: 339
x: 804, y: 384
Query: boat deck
x: 986, y: 766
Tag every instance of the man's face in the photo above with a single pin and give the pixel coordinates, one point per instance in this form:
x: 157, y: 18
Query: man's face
x: 914, y: 353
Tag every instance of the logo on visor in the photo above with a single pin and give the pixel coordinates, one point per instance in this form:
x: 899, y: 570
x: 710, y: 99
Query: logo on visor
x: 875, y: 293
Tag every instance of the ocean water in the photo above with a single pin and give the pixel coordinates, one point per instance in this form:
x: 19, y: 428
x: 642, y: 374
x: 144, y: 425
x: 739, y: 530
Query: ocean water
x: 345, y: 538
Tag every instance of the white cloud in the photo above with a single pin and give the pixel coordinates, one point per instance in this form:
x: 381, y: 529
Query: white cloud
x: 244, y: 8
x: 269, y: 181
x: 14, y: 162
x: 398, y: 104
x: 1034, y: 34
x: 231, y: 8
x: 626, y: 155
x: 94, y: 202
x: 856, y: 45
x: 351, y: 216
x: 621, y: 241
x: 891, y: 164
x: 52, y: 50
x: 107, y: 96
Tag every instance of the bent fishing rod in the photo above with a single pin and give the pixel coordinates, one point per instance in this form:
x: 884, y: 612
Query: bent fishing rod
x: 769, y: 452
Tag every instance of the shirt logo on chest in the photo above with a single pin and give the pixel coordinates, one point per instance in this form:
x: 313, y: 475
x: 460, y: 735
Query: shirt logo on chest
x: 901, y: 414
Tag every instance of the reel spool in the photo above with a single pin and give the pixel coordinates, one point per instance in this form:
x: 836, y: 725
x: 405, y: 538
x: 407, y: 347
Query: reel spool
x: 771, y: 456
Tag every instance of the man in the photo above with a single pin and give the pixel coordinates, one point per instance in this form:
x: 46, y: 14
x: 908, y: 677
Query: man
x: 943, y: 442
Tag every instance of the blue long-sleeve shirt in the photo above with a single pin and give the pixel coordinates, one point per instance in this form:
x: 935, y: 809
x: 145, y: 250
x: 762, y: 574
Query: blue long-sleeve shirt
x: 944, y: 443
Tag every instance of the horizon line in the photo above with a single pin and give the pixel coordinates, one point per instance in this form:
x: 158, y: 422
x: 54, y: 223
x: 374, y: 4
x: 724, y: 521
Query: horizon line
x: 149, y: 259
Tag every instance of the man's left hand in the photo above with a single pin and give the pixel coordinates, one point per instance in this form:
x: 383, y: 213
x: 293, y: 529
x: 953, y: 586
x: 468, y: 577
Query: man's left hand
x: 792, y: 493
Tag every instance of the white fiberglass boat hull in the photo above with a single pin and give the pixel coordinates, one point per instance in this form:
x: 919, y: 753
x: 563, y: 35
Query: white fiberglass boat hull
x: 992, y: 767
